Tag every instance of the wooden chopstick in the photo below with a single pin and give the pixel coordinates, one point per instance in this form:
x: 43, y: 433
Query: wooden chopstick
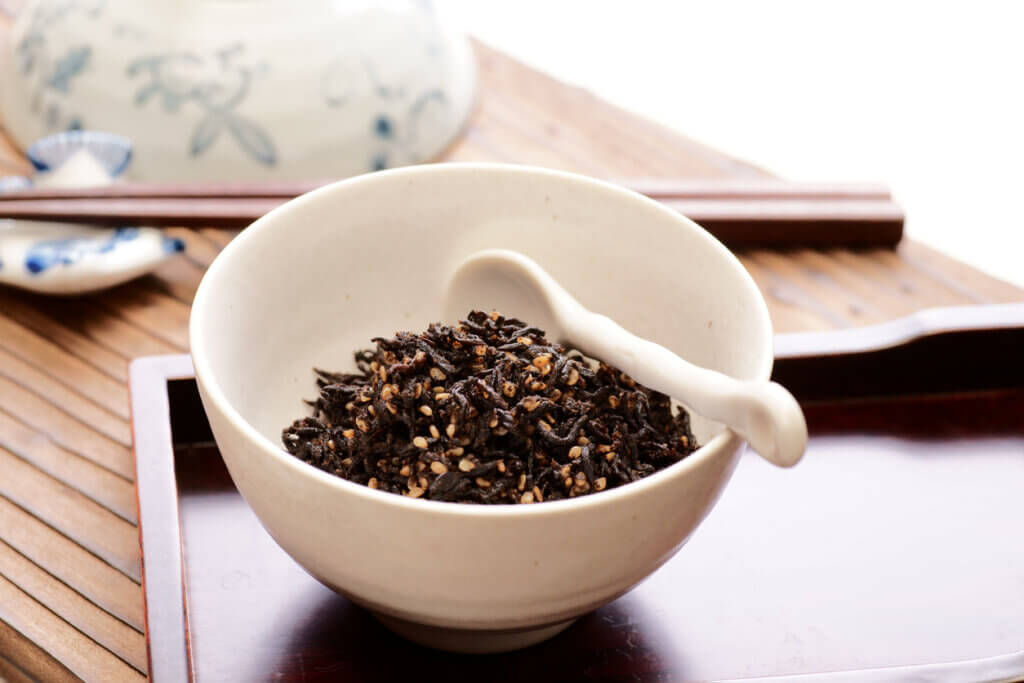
x: 656, y: 188
x: 741, y: 214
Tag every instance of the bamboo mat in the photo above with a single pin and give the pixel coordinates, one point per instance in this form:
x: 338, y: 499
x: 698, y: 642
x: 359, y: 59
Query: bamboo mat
x: 70, y: 601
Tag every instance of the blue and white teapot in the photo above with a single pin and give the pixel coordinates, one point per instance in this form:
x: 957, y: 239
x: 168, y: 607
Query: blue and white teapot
x: 242, y: 89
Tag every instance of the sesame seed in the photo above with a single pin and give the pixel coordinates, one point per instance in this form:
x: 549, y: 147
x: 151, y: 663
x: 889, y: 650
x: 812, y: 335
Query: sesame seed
x: 426, y: 410
x: 567, y: 482
x: 450, y: 430
x: 542, y: 361
x: 537, y: 494
x: 438, y: 467
x: 434, y: 432
x: 437, y: 373
x: 610, y: 455
x: 685, y: 441
x: 372, y: 483
x: 419, y: 442
x: 501, y: 466
x: 575, y: 452
x: 613, y: 402
x: 483, y: 483
x: 574, y: 376
x: 583, y: 441
x: 442, y: 396
x: 480, y: 349
x: 521, y: 484
x: 544, y: 426
x: 457, y: 451
x: 405, y: 471
x: 466, y: 465
x: 493, y: 422
x: 600, y: 483
x: 362, y: 425
x: 525, y: 341
x: 415, y: 492
x: 526, y: 497
x: 331, y: 445
x: 530, y: 403
x: 508, y: 389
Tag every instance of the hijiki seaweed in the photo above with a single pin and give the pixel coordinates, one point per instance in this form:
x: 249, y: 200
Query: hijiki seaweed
x: 487, y: 411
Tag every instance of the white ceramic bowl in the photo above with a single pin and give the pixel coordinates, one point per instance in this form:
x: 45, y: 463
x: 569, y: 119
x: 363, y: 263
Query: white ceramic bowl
x: 314, y: 280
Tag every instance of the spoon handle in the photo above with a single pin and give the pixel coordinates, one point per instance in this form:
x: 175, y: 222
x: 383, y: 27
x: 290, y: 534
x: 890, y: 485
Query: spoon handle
x: 764, y: 413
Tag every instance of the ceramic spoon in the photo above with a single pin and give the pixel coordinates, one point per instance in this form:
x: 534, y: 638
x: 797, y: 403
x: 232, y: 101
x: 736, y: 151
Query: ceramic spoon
x: 762, y: 412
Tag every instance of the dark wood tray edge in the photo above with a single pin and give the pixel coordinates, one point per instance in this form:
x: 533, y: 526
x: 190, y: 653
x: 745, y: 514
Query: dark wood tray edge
x: 933, y: 351
x: 924, y: 323
x: 159, y: 526
x: 799, y: 360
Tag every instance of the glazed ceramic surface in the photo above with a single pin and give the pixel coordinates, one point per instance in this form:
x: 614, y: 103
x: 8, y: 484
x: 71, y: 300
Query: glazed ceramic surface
x: 69, y: 258
x: 241, y: 88
x: 64, y: 258
x: 319, y: 277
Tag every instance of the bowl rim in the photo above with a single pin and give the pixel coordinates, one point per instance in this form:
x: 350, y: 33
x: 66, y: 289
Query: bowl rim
x: 212, y: 392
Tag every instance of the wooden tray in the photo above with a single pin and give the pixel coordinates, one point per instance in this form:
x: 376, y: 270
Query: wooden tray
x: 892, y: 551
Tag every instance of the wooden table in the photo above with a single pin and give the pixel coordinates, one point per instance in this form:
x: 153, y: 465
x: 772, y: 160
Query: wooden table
x: 70, y: 601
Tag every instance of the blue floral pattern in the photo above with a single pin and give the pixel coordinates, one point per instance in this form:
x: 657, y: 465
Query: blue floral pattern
x: 54, y: 75
x: 219, y: 85
x: 65, y: 252
x: 397, y: 123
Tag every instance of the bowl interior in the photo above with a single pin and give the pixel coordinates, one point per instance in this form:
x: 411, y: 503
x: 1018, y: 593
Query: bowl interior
x: 320, y: 277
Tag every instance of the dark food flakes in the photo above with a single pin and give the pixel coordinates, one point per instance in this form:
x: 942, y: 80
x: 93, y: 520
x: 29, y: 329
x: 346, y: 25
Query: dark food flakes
x: 488, y: 411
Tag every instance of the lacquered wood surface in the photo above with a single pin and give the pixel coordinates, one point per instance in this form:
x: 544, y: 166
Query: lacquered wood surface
x: 67, y: 509
x: 724, y: 607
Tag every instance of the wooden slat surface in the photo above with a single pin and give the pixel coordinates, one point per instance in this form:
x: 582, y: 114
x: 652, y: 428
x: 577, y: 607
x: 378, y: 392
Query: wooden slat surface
x: 70, y: 601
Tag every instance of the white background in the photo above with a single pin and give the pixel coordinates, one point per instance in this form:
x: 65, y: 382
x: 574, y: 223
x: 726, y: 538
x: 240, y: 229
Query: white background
x: 926, y: 97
